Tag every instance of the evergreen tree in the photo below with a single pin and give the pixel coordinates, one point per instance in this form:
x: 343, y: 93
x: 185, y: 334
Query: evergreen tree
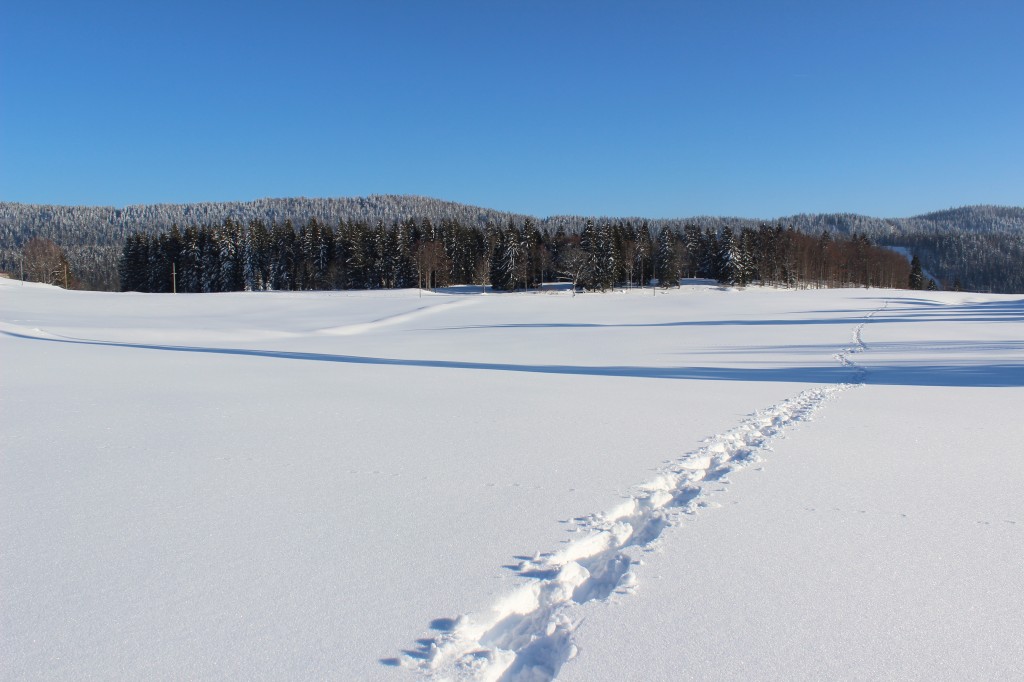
x: 644, y: 254
x: 231, y: 257
x: 282, y: 257
x: 695, y: 247
x: 824, y: 247
x: 133, y: 263
x: 916, y: 274
x: 191, y: 262
x: 711, y: 261
x: 403, y: 267
x: 725, y: 265
x: 382, y: 259
x: 257, y: 257
x: 316, y: 253
x: 742, y: 257
x: 666, y: 258
x: 356, y: 244
x: 506, y: 259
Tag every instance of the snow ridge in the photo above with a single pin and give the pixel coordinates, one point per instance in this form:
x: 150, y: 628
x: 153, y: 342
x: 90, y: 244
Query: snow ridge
x: 526, y: 636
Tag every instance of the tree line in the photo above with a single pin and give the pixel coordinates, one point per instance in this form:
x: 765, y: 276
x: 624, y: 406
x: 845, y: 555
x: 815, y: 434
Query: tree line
x: 354, y: 254
x: 980, y: 246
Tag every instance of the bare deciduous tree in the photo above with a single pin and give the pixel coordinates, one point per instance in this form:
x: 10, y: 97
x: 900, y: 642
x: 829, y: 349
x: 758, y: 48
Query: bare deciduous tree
x: 576, y: 264
x: 45, y: 262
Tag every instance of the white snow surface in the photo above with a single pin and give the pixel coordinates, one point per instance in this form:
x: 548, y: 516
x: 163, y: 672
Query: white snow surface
x: 699, y: 484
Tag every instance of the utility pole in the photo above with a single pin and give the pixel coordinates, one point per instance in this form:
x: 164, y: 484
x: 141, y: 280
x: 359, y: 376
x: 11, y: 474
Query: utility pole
x: 174, y: 277
x: 22, y: 271
x: 65, y: 275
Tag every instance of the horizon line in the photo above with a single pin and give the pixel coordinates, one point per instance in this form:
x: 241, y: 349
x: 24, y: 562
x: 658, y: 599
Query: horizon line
x: 507, y: 212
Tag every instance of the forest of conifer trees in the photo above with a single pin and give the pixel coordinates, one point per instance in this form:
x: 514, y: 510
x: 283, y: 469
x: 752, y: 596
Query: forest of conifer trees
x: 233, y: 256
x: 981, y: 248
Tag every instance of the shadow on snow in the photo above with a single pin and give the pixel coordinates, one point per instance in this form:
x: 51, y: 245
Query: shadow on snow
x: 994, y: 375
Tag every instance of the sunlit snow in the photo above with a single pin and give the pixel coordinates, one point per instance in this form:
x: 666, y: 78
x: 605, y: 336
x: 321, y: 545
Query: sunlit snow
x: 702, y: 483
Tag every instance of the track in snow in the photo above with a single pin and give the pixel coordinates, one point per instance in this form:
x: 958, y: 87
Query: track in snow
x: 390, y: 320
x: 527, y: 635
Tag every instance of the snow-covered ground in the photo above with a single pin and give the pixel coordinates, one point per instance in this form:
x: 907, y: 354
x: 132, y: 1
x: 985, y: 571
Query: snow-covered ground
x: 704, y: 483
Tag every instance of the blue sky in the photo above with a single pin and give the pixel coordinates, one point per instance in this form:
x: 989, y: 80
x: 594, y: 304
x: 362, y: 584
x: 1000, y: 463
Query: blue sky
x: 660, y: 109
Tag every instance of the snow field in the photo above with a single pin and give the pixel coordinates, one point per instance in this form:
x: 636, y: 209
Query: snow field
x: 527, y: 635
x: 279, y: 485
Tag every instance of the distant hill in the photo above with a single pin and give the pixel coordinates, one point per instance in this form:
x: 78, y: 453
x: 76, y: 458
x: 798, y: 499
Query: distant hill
x: 982, y: 247
x: 93, y: 236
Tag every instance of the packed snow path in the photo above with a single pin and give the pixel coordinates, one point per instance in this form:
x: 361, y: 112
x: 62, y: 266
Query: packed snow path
x: 527, y: 635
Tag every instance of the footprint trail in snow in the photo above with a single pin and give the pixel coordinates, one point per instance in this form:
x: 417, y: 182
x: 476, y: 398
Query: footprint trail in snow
x: 526, y: 636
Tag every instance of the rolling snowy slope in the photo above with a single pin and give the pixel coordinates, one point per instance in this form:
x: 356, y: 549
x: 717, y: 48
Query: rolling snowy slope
x: 376, y: 485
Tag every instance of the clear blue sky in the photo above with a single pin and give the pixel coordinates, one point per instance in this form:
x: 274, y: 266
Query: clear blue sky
x: 661, y: 109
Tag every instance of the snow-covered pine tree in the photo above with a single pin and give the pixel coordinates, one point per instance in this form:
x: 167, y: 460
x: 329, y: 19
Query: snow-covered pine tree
x: 724, y: 265
x: 232, y: 265
x: 742, y: 257
x: 191, y: 266
x: 666, y: 258
x: 403, y: 268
